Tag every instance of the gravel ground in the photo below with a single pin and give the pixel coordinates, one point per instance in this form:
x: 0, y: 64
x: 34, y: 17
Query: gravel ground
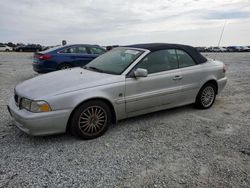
x: 181, y: 147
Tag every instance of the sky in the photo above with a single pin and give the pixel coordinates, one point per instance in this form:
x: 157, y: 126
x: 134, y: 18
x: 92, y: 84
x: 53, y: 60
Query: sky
x: 110, y: 22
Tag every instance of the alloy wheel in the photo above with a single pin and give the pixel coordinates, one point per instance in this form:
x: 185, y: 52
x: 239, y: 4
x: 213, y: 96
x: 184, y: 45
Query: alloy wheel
x: 207, y: 96
x: 92, y: 120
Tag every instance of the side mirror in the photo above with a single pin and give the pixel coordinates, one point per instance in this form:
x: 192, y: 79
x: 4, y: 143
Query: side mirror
x: 139, y: 72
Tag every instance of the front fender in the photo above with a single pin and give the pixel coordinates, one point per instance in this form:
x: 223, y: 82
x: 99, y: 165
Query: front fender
x: 112, y: 93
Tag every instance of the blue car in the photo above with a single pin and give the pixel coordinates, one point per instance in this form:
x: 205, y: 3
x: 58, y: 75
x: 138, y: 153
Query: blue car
x: 64, y: 57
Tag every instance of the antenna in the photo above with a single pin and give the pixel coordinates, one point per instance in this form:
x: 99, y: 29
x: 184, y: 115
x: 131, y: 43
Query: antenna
x: 221, y: 37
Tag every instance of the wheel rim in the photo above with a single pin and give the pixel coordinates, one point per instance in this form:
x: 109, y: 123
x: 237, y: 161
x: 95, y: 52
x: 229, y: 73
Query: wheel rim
x: 92, y: 120
x: 207, y: 96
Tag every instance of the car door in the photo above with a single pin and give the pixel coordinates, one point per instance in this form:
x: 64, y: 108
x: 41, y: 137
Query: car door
x: 2, y: 47
x: 160, y: 88
x: 192, y: 75
x: 27, y: 48
x: 83, y: 55
x: 76, y: 55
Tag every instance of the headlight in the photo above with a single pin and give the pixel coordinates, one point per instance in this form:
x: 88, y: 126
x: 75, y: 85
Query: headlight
x: 25, y: 103
x: 35, y: 106
x: 39, y: 106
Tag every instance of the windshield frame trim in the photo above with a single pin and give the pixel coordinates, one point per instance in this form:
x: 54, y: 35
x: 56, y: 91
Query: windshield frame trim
x: 131, y: 66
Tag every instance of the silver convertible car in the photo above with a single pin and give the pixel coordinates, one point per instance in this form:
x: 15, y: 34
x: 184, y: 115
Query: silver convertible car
x: 124, y: 82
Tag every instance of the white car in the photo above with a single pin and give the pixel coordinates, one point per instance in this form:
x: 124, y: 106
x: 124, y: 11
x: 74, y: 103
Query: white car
x: 122, y: 83
x: 218, y: 49
x: 5, y: 48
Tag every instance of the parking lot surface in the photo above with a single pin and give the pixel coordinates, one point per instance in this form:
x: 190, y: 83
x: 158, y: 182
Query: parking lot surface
x: 181, y: 147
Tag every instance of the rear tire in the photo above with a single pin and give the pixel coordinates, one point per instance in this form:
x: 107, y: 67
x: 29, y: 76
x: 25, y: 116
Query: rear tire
x: 91, y: 120
x: 206, y: 96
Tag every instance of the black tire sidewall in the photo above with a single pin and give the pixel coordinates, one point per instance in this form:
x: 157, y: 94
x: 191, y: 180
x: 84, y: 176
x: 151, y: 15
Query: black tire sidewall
x: 74, y: 128
x: 63, y: 65
x: 198, y: 102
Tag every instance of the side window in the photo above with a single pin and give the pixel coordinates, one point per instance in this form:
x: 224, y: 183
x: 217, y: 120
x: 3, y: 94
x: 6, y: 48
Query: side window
x: 159, y: 61
x: 95, y: 50
x: 184, y: 59
x: 81, y: 50
x: 68, y: 50
x: 75, y: 50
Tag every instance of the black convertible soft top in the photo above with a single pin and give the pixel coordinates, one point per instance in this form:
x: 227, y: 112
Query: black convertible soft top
x: 162, y: 46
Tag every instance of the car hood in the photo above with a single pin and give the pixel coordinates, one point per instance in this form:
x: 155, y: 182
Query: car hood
x: 64, y: 81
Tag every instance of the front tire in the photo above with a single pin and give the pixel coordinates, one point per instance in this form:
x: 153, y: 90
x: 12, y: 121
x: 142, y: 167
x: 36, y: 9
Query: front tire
x: 91, y: 120
x: 206, y: 96
x: 64, y: 66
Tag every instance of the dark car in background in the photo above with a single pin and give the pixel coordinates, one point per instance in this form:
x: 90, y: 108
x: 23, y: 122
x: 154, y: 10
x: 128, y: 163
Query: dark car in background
x: 108, y: 48
x: 201, y: 49
x: 64, y: 57
x: 216, y: 49
x: 245, y: 49
x: 234, y: 49
x: 29, y: 48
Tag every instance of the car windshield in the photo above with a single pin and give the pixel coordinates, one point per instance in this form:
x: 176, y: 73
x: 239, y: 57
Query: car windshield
x: 114, y: 61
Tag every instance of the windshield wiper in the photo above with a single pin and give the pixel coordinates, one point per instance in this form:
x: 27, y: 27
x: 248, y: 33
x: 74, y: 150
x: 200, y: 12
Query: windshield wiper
x: 99, y: 70
x: 93, y: 68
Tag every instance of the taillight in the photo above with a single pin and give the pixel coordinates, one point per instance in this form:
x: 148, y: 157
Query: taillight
x: 43, y: 56
x: 224, y: 68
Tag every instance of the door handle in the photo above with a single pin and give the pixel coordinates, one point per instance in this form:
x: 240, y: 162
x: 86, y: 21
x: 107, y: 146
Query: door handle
x: 177, y: 77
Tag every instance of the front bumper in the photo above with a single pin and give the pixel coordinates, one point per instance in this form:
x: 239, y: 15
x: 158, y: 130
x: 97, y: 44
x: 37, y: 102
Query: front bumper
x: 37, y: 124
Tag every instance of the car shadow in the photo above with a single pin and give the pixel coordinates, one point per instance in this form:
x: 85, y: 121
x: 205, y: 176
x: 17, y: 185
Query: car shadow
x: 158, y: 114
x: 68, y: 138
x: 63, y: 137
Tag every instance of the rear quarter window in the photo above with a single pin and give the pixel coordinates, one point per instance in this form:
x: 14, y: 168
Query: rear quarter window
x: 185, y: 60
